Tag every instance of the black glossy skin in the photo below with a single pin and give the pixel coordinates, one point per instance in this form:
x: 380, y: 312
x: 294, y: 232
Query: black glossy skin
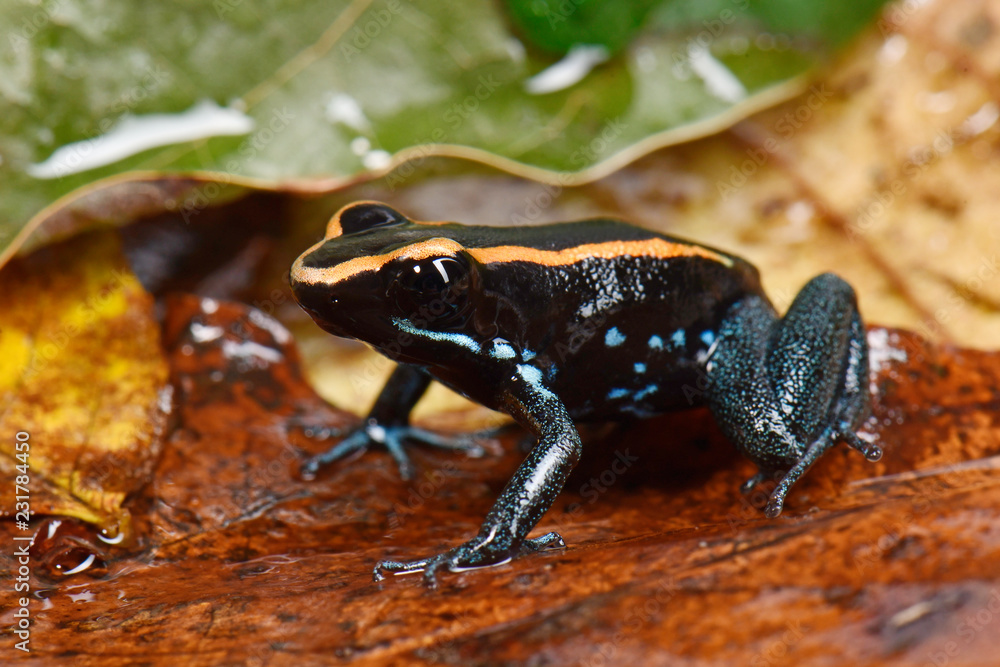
x: 609, y: 331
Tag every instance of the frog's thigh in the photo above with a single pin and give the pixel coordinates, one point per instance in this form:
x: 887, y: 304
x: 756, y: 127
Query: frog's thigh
x: 818, y: 358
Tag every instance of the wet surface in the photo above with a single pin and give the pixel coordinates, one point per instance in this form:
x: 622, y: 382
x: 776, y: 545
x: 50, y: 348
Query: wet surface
x: 237, y: 560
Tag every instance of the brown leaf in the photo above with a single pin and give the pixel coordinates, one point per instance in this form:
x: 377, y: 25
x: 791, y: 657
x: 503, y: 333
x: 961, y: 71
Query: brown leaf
x: 868, y: 560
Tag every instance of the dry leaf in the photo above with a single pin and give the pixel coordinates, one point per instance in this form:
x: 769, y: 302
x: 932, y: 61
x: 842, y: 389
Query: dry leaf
x: 84, y: 375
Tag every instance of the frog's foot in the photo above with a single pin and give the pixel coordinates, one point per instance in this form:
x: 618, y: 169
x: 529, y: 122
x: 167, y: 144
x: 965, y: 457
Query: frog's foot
x: 391, y: 437
x: 476, y: 553
x: 776, y: 500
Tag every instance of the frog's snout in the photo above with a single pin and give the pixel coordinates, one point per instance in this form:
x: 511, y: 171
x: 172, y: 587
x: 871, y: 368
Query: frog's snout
x: 311, y: 298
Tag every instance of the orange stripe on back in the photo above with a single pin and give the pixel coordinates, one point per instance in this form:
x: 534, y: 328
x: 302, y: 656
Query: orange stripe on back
x: 655, y: 247
x: 442, y: 247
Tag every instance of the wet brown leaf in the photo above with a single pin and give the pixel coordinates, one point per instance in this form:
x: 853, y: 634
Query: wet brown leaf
x: 243, y: 561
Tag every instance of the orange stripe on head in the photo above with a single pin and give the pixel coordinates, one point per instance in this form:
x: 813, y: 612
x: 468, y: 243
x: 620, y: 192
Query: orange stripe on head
x: 436, y: 247
x: 334, y: 228
x: 655, y: 247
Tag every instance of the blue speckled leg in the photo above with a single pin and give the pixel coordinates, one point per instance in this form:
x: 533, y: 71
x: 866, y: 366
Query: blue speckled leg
x: 524, y: 500
x: 388, y: 425
x: 786, y: 390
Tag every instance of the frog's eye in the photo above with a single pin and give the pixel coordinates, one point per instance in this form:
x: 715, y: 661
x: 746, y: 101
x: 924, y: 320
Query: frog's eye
x: 432, y: 289
x: 361, y: 217
x: 433, y: 276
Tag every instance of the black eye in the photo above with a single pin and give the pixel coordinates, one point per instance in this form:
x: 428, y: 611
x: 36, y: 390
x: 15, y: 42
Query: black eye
x: 367, y: 215
x: 432, y: 291
x: 432, y: 276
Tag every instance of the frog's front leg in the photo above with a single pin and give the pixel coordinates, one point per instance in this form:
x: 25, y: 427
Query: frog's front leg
x: 527, y: 496
x: 388, y: 424
x: 784, y: 391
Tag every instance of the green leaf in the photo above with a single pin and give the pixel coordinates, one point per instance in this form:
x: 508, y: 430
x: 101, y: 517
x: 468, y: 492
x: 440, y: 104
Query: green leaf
x: 558, y: 25
x: 285, y: 92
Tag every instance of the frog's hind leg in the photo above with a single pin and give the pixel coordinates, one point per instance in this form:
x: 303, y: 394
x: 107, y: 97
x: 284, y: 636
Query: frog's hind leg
x: 818, y: 366
x: 787, y: 390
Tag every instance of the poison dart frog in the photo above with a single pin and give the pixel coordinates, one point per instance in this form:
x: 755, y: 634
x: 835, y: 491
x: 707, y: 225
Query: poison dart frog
x: 588, y: 320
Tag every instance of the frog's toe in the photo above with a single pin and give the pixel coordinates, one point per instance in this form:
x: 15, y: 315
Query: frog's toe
x: 464, y: 442
x: 398, y: 567
x: 394, y: 437
x: 356, y: 441
x: 775, y: 504
x: 869, y: 450
x: 545, y: 542
x: 751, y: 484
x: 315, y: 431
x: 776, y: 498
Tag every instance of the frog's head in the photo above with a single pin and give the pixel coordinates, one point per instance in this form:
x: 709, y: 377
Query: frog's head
x: 381, y: 278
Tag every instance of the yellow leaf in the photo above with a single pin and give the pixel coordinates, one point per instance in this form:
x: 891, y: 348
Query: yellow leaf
x: 84, y: 375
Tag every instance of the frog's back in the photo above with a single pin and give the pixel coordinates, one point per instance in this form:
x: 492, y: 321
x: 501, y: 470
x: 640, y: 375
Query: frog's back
x: 619, y: 319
